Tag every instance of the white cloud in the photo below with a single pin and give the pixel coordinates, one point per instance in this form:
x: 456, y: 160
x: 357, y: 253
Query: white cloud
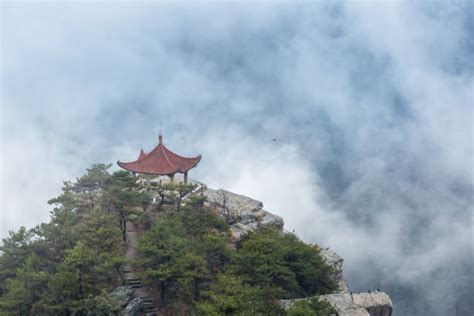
x: 371, y: 105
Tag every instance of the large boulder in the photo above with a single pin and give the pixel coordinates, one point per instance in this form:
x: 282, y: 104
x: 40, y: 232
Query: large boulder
x: 233, y: 206
x: 241, y: 212
x: 335, y: 261
x: 376, y: 303
x: 359, y: 304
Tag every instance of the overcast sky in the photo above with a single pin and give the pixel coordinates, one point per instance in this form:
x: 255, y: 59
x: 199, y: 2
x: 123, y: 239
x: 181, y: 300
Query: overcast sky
x: 371, y: 105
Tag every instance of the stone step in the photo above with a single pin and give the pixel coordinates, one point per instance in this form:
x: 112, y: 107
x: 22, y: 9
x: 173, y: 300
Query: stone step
x: 135, y: 286
x: 134, y: 283
x: 148, y: 308
x: 151, y: 308
x: 132, y: 280
x: 146, y: 300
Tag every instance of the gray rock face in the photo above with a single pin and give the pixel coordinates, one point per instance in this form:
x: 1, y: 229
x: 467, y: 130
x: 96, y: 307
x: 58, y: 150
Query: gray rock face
x: 133, y: 307
x: 377, y: 304
x: 335, y: 261
x: 271, y: 220
x: 241, y: 212
x: 232, y: 205
x: 359, y: 304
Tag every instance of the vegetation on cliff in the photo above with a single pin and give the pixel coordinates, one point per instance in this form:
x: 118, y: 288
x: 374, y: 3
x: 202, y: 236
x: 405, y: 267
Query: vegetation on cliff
x: 69, y: 264
x: 185, y: 255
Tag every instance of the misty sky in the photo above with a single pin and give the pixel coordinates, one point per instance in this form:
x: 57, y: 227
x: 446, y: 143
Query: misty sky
x: 371, y: 104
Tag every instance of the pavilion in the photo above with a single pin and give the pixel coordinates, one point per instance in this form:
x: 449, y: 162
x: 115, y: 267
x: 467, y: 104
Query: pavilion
x: 161, y: 162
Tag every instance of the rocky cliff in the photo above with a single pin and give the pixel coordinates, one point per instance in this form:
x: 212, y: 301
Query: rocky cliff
x: 246, y: 214
x: 243, y: 213
x: 355, y: 304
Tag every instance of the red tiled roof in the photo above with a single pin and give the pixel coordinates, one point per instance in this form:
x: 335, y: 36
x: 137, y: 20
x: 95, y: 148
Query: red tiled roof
x: 160, y: 161
x: 142, y: 154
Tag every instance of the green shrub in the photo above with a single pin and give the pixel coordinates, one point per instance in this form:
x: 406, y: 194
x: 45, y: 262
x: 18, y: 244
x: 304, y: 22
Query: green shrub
x: 311, y: 307
x: 283, y: 264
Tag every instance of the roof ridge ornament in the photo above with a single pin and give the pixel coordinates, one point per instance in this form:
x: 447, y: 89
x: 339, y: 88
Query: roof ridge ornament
x: 142, y: 154
x: 160, y: 138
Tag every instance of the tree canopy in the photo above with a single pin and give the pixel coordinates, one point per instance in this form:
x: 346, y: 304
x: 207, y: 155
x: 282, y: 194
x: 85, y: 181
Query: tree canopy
x: 60, y: 267
x: 187, y: 256
x: 71, y: 264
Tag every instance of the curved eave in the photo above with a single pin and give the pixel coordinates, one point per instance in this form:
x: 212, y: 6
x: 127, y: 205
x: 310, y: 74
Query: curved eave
x: 130, y: 166
x: 194, y: 164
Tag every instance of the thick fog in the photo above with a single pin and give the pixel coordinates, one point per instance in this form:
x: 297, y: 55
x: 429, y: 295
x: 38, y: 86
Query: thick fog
x: 351, y: 120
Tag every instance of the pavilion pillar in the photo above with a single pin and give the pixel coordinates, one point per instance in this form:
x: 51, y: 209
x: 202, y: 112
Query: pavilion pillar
x: 186, y: 177
x: 171, y: 178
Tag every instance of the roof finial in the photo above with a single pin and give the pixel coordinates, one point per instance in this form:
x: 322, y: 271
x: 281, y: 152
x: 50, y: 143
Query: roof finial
x: 160, y: 136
